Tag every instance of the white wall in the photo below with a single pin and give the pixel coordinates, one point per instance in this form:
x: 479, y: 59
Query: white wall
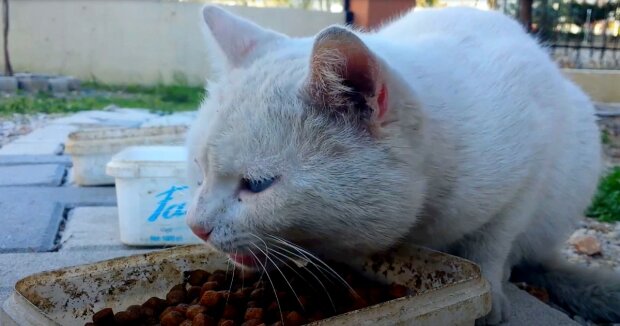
x: 130, y: 41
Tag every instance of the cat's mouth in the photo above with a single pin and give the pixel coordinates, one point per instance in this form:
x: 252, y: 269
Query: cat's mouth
x: 256, y: 261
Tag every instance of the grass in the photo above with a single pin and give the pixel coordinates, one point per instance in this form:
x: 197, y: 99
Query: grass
x: 606, y: 204
x: 605, y: 138
x: 96, y: 96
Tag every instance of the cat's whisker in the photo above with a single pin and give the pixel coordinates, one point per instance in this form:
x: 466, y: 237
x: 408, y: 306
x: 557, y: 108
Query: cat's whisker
x: 260, y: 278
x: 275, y: 293
x: 242, y: 276
x: 318, y: 267
x: 232, y: 279
x: 311, y: 255
x: 331, y: 301
x: 305, y: 259
x: 307, y: 253
x: 284, y: 262
x: 283, y: 276
x: 246, y: 244
x: 228, y: 262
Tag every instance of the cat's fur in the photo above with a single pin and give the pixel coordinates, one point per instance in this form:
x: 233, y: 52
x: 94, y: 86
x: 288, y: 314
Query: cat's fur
x: 448, y: 128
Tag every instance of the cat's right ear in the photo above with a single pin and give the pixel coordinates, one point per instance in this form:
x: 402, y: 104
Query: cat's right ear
x: 238, y: 38
x: 346, y: 80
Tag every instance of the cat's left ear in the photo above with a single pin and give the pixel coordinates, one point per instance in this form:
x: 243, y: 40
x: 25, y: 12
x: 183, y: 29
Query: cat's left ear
x: 346, y: 79
x: 238, y: 38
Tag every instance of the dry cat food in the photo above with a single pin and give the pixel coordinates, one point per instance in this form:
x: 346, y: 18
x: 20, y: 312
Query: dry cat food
x: 298, y: 296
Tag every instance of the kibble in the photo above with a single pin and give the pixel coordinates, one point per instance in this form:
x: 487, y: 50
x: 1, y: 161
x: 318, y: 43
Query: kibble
x: 230, y: 312
x: 104, y: 317
x: 197, y: 277
x: 193, y: 292
x: 173, y: 318
x: 294, y: 318
x: 253, y: 322
x: 397, y: 290
x: 194, y: 310
x: 213, y: 299
x: 125, y: 318
x: 155, y: 303
x: 177, y: 295
x: 203, y: 320
x: 254, y: 313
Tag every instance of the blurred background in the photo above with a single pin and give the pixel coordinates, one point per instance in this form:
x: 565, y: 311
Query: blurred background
x: 151, y: 53
x: 148, y: 42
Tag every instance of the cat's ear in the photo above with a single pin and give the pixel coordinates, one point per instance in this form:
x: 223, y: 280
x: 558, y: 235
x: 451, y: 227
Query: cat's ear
x: 346, y: 78
x: 238, y: 38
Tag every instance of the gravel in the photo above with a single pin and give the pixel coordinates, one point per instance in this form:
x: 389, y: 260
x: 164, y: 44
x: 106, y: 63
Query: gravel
x: 577, y: 250
x: 607, y: 235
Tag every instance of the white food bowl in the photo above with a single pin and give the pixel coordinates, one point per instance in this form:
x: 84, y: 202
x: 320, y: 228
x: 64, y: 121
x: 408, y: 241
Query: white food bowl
x: 446, y: 290
x: 152, y: 195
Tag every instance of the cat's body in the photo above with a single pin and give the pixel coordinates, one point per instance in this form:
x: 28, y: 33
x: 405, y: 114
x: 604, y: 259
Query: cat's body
x: 447, y: 128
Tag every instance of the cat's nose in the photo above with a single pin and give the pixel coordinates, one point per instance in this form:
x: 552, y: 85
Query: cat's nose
x: 201, y: 232
x: 193, y: 221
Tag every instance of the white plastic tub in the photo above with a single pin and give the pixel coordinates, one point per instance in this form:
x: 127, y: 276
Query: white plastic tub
x: 152, y: 195
x: 92, y: 149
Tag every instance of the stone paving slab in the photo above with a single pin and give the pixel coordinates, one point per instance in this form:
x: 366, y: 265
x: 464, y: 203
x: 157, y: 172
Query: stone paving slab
x: 40, y: 148
x: 36, y: 213
x: 32, y: 175
x: 527, y: 310
x: 50, y: 133
x: 7, y: 160
x: 47, y: 140
x: 29, y: 225
x: 179, y: 118
x: 71, y: 196
x: 114, y: 117
x: 92, y: 228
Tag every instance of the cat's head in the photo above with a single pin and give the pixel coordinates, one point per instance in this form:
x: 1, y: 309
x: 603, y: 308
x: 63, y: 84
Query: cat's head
x: 315, y: 141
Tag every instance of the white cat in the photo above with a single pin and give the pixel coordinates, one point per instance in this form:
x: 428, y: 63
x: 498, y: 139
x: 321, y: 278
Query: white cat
x: 447, y: 128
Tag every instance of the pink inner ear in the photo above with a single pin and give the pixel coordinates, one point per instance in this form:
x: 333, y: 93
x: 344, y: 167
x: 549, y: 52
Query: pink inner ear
x: 247, y: 48
x: 382, y: 101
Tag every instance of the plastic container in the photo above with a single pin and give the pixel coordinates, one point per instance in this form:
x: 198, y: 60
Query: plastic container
x: 151, y: 195
x: 448, y: 290
x: 92, y: 149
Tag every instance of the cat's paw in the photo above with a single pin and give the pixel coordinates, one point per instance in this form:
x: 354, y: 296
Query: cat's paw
x: 500, y: 310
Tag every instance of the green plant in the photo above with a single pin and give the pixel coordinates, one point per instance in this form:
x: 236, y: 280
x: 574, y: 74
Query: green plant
x: 605, y: 138
x: 606, y: 204
x: 97, y: 96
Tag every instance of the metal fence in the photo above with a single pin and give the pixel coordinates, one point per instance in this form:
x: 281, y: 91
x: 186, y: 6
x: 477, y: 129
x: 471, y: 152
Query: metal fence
x: 579, y: 33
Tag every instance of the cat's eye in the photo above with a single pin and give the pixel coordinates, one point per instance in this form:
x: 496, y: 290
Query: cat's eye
x: 257, y: 186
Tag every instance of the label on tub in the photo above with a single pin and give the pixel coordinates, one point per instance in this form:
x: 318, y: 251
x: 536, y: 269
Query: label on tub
x: 168, y: 208
x: 165, y: 220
